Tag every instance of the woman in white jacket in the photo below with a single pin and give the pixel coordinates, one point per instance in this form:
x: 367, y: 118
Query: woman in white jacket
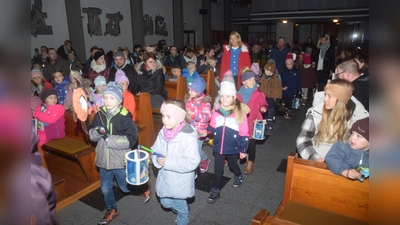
x: 329, y: 121
x: 177, y: 142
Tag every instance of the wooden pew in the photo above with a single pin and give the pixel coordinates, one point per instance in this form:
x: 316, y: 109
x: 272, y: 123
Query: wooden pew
x: 176, y: 89
x: 144, y: 120
x: 76, y: 145
x: 314, y: 195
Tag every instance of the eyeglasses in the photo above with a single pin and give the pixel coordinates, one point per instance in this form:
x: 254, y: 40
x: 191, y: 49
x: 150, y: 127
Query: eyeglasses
x: 336, y: 75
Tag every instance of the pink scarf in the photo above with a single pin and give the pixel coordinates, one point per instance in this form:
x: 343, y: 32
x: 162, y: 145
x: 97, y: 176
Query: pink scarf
x: 170, y: 134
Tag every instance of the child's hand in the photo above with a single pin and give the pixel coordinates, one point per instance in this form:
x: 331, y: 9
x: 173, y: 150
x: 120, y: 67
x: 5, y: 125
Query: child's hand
x: 242, y: 155
x: 352, y: 174
x: 285, y: 88
x: 263, y: 109
x: 189, y: 112
x: 102, y: 130
x: 161, y: 161
x: 320, y: 160
x: 203, y: 133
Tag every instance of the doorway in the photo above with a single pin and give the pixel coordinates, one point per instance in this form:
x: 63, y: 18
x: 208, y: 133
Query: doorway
x: 189, y: 36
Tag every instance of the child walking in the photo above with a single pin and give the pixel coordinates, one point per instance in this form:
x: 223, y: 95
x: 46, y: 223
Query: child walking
x: 271, y: 86
x: 229, y: 126
x: 344, y: 158
x: 198, y: 107
x: 250, y: 95
x: 177, y: 143
x: 290, y: 83
x: 50, y: 116
x: 115, y: 133
x: 60, y: 84
x: 308, y: 78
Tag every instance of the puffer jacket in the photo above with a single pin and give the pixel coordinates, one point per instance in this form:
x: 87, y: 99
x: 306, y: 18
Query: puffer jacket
x: 229, y: 136
x: 176, y: 178
x: 152, y: 81
x: 201, y: 111
x: 122, y: 137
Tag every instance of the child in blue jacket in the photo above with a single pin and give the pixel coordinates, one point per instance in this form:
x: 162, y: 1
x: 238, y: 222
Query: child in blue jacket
x: 290, y: 84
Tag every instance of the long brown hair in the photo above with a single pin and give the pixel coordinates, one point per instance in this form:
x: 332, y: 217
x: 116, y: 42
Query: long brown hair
x: 333, y: 125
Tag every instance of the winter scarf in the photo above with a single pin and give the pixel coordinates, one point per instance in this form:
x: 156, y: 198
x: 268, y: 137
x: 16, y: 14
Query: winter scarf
x: 225, y: 111
x: 246, y: 93
x: 170, y: 134
x: 97, y: 68
x: 323, y: 49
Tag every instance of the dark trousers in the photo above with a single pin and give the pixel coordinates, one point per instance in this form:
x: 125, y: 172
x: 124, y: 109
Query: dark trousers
x: 219, y: 167
x: 322, y: 79
x: 235, y: 78
x: 272, y: 104
x: 288, y: 102
x: 251, y: 151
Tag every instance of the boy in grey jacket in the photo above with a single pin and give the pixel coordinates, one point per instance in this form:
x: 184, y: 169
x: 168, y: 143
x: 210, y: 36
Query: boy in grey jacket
x: 115, y: 133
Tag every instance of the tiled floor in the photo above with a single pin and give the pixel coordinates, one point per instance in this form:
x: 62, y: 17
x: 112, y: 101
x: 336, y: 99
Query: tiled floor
x: 261, y: 189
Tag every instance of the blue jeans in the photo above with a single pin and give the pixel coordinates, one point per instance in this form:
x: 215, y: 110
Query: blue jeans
x: 107, y: 184
x: 271, y: 108
x: 203, y: 155
x: 180, y: 206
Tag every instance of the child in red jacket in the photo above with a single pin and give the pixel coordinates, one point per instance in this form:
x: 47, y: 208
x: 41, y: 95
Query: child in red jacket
x: 50, y: 116
x: 251, y: 95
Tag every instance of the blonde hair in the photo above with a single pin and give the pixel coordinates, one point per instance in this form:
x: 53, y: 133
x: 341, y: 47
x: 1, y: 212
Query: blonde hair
x: 333, y: 125
x: 211, y: 59
x: 245, y: 69
x: 324, y: 37
x: 237, y: 35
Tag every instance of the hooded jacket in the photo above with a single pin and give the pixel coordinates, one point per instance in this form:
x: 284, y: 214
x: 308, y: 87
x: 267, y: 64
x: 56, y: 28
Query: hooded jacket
x: 51, y: 122
x: 271, y: 86
x: 122, y: 136
x: 151, y: 81
x: 176, y: 178
x: 244, y: 60
x: 201, y: 111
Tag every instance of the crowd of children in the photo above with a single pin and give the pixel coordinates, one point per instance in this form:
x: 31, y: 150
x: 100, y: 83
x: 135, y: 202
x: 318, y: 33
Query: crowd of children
x: 187, y: 124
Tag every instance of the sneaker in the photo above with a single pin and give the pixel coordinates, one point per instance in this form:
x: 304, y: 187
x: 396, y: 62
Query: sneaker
x: 204, y: 165
x: 214, y: 196
x: 225, y: 162
x: 287, y: 115
x: 195, y: 175
x: 146, y: 196
x: 238, y: 181
x: 110, y: 215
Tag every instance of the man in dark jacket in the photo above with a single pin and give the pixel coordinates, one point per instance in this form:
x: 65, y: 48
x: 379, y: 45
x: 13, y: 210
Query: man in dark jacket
x: 279, y: 52
x: 173, y: 59
x: 120, y: 63
x: 349, y: 70
x: 55, y: 63
x: 64, y: 49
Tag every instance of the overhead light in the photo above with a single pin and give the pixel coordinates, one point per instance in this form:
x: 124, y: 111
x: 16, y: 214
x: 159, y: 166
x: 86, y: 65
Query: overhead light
x: 355, y: 35
x: 284, y: 21
x: 337, y: 23
x: 335, y: 20
x: 297, y: 24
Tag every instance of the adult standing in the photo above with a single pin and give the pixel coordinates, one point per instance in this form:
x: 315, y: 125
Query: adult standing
x: 258, y: 56
x: 309, y: 44
x: 55, y: 63
x: 64, y: 49
x: 329, y: 121
x: 324, y: 58
x: 151, y: 79
x: 98, y: 67
x: 235, y: 57
x: 121, y: 64
x: 279, y: 52
x: 349, y: 70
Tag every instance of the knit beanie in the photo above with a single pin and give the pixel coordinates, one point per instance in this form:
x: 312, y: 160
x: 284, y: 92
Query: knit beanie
x: 97, y: 55
x: 289, y: 56
x: 119, y: 53
x: 341, y: 93
x: 270, y: 66
x: 114, y: 89
x: 100, y: 80
x: 198, y: 85
x: 46, y: 92
x: 36, y: 73
x: 362, y: 127
x: 248, y: 75
x: 255, y: 68
x: 120, y: 76
x: 228, y: 84
x: 306, y: 59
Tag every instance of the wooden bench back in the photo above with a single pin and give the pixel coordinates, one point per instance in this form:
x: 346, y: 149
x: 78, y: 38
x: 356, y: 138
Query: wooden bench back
x: 144, y: 118
x: 313, y: 184
x: 176, y: 89
x: 74, y: 129
x: 209, y: 77
x: 168, y: 71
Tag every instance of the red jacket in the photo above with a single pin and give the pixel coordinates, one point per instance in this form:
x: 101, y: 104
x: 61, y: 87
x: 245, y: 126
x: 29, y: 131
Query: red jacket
x: 244, y: 60
x: 257, y: 100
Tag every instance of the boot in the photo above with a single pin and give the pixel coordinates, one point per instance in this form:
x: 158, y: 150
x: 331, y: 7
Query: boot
x: 246, y: 160
x: 147, y: 194
x: 303, y: 101
x: 250, y: 167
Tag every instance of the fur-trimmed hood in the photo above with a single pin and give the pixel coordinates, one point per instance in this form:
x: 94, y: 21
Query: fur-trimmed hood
x: 139, y: 67
x: 203, y: 98
x: 244, y: 48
